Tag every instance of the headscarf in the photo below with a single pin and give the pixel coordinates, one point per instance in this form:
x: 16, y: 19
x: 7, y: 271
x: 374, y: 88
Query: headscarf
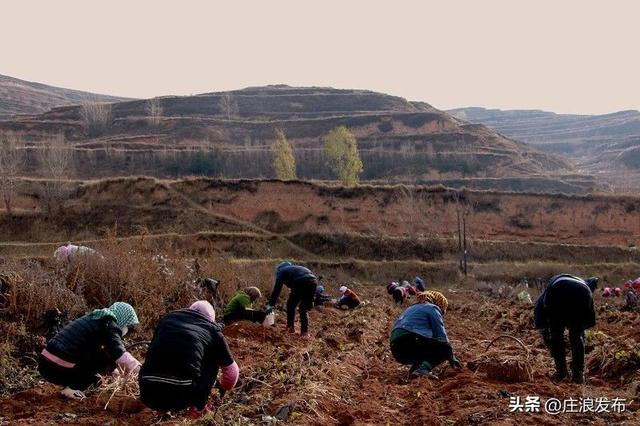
x: 253, y: 293
x: 205, y: 308
x: 283, y: 264
x: 122, y: 312
x: 592, y: 283
x: 435, y: 298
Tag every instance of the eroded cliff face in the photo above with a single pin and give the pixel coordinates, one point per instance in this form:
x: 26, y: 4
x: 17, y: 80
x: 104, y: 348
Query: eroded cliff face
x: 291, y: 207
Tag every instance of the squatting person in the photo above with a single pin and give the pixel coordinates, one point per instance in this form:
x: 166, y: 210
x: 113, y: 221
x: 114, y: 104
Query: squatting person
x: 183, y: 360
x: 240, y: 307
x: 566, y: 303
x: 418, y: 337
x: 88, y: 346
x: 349, y: 298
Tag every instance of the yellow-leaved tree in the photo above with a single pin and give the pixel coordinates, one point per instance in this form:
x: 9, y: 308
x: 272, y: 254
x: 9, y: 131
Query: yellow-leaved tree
x: 284, y: 162
x: 341, y: 148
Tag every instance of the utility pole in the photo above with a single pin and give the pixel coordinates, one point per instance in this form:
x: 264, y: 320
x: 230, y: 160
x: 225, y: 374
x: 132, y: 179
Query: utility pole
x: 464, y: 231
x: 460, y: 254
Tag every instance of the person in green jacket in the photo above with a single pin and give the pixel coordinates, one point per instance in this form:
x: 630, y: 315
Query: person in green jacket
x: 240, y: 307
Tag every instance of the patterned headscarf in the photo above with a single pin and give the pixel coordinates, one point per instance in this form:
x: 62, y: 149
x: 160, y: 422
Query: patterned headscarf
x: 436, y: 298
x: 122, y: 312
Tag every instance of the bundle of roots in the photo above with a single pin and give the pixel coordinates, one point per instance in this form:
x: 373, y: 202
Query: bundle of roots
x: 119, y: 393
x: 615, y: 360
x: 505, y: 368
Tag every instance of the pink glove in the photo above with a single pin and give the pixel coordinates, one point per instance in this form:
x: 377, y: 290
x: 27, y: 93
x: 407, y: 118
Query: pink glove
x: 128, y: 363
x: 230, y: 375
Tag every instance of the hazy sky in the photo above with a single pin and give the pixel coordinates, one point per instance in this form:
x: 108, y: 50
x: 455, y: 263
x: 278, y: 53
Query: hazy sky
x: 561, y: 55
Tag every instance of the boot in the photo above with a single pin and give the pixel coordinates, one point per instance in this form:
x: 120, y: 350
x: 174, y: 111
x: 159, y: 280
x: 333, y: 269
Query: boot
x: 421, y: 369
x: 559, y: 376
x: 194, y: 413
x: 561, y: 367
x: 577, y: 377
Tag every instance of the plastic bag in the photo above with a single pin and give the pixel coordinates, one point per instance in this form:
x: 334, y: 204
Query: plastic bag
x: 269, y: 320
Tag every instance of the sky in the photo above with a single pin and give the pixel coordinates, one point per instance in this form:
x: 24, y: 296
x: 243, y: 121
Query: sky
x: 564, y: 56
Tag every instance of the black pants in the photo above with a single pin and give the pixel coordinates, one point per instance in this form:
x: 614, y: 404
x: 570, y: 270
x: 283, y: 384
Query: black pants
x: 412, y: 349
x: 302, y: 297
x: 557, y: 348
x: 172, y: 395
x: 78, y: 377
x: 245, y: 314
x: 349, y: 303
x: 398, y: 296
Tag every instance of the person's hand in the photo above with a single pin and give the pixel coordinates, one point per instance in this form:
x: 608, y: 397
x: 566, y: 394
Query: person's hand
x: 454, y: 362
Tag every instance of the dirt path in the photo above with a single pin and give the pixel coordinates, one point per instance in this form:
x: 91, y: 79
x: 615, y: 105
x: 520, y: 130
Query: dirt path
x: 345, y: 374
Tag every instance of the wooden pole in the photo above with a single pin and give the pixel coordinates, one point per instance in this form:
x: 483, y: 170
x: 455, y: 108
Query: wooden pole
x: 464, y: 239
x: 460, y: 255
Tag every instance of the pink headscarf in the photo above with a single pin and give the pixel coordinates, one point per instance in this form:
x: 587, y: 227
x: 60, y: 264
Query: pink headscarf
x: 205, y: 309
x: 63, y: 253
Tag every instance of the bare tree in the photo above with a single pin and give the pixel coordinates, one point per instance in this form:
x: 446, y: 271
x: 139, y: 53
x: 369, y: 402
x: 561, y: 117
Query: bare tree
x: 228, y: 105
x: 12, y: 159
x: 96, y: 118
x: 154, y: 111
x: 55, y: 161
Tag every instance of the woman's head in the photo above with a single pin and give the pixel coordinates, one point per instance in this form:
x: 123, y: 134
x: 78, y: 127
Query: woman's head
x: 283, y: 264
x: 124, y: 314
x: 253, y: 293
x: 592, y: 283
x: 205, y: 308
x: 435, y: 298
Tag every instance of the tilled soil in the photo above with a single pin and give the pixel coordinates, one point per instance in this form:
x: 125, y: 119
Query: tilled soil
x: 345, y: 374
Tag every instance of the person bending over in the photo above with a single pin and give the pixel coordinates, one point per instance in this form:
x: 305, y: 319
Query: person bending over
x: 183, y: 360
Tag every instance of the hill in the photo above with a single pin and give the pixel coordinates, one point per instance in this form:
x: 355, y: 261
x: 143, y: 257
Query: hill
x: 25, y: 97
x: 229, y: 134
x: 601, y: 144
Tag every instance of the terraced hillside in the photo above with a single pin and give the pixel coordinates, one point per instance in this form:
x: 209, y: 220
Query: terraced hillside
x: 605, y: 145
x: 229, y: 134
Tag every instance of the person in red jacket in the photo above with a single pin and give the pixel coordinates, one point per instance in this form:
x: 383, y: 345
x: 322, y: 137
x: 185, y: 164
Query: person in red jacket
x: 349, y: 298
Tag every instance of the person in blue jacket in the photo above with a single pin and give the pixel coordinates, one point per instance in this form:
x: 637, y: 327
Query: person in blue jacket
x: 418, y: 338
x: 302, y: 284
x: 566, y: 303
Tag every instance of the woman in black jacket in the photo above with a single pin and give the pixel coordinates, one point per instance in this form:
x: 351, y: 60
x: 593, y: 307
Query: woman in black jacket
x: 89, y: 346
x: 566, y: 303
x: 302, y: 283
x: 183, y: 359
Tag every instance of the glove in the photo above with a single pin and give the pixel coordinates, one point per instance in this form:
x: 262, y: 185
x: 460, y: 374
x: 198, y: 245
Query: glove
x: 268, y: 309
x: 454, y: 362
